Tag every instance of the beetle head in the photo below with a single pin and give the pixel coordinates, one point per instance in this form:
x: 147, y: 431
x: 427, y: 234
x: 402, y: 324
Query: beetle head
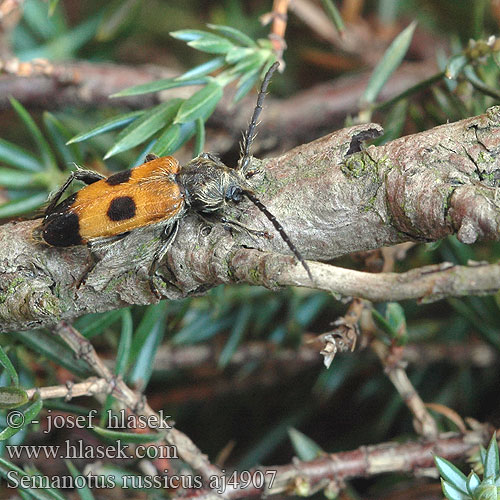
x: 209, y: 184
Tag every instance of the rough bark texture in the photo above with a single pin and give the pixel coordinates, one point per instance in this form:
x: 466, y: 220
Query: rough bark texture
x: 332, y: 199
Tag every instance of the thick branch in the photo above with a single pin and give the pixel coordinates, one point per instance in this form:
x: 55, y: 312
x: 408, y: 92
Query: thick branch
x: 332, y: 200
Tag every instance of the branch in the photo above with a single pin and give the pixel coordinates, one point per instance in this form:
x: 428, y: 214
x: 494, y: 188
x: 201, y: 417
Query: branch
x: 89, y: 387
x: 394, y: 368
x: 475, y: 354
x: 279, y: 19
x: 330, y: 471
x: 331, y: 198
x: 135, y: 402
x: 302, y: 117
x: 43, y: 84
x: 359, y: 319
x: 425, y: 284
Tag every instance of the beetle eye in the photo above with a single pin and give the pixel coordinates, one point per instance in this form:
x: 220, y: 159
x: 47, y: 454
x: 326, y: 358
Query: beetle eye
x: 234, y: 193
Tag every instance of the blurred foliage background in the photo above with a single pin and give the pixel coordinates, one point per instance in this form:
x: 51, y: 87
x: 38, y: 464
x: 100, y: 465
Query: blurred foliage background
x: 236, y: 406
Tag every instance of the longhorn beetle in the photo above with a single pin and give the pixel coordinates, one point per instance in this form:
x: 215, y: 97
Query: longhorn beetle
x: 160, y: 191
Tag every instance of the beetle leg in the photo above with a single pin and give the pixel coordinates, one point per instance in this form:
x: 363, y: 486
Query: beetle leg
x: 150, y: 157
x: 230, y: 223
x: 93, y: 262
x: 96, y: 248
x: 87, y: 176
x: 167, y: 238
x: 234, y: 224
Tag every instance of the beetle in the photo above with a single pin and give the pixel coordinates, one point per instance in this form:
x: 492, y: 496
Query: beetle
x: 160, y: 191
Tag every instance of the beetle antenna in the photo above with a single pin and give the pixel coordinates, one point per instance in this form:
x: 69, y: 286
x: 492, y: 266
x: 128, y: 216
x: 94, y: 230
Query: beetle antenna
x: 249, y: 135
x: 280, y: 230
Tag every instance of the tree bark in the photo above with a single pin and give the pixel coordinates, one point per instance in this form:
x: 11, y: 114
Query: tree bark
x: 332, y: 197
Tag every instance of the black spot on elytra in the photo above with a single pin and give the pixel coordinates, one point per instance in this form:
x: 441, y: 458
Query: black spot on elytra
x: 119, y: 178
x: 61, y: 228
x: 121, y: 208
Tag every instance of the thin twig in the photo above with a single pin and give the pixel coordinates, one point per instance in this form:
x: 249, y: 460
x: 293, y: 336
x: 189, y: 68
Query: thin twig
x: 186, y: 449
x: 89, y: 387
x: 391, y: 359
x: 279, y: 18
x: 476, y: 354
x: 351, y: 10
x: 425, y: 284
x: 344, y: 336
x: 330, y: 471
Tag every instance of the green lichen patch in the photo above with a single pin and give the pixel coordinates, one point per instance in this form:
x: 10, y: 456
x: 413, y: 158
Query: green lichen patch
x: 115, y: 282
x: 359, y: 165
x: 370, y: 204
x: 50, y: 306
x: 11, y: 288
x: 255, y: 276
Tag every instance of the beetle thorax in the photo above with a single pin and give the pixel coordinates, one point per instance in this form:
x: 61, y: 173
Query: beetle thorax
x: 208, y: 184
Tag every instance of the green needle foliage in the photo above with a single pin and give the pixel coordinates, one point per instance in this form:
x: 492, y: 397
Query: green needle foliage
x: 169, y: 125
x: 457, y: 486
x: 28, y: 179
x: 40, y: 35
